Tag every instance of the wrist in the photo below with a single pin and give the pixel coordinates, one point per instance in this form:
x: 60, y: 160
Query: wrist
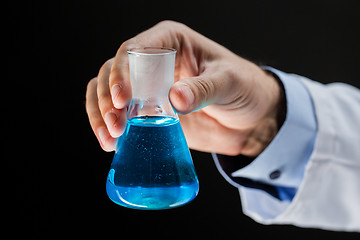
x: 266, y: 129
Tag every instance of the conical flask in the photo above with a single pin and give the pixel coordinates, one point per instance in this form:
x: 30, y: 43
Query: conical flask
x: 152, y: 167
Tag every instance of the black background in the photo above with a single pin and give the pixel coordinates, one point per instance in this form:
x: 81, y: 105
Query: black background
x: 57, y: 171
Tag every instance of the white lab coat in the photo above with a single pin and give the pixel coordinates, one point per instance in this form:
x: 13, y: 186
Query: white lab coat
x: 329, y: 195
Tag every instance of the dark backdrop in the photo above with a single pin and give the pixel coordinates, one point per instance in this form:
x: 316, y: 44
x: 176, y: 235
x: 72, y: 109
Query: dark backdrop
x: 57, y: 170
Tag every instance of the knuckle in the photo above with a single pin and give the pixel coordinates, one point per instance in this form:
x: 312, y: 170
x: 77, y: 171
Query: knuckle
x: 91, y: 84
x: 125, y: 45
x: 167, y: 23
x: 104, y: 102
x: 105, y: 68
x: 206, y: 88
x: 171, y: 25
x: 95, y: 119
x: 116, y: 74
x: 108, y: 63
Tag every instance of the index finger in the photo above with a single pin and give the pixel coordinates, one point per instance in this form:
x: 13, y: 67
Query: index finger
x: 119, y: 80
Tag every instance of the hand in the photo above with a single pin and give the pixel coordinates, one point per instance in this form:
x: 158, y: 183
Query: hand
x: 227, y: 104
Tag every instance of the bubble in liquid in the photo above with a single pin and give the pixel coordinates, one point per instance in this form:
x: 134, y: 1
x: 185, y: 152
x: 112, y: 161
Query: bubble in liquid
x: 158, y: 109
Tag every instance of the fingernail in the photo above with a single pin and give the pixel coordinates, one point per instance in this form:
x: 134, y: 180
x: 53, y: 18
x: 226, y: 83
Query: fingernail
x: 115, y: 91
x: 185, y: 91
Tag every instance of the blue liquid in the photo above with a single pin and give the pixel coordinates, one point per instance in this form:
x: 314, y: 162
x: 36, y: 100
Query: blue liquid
x: 152, y: 167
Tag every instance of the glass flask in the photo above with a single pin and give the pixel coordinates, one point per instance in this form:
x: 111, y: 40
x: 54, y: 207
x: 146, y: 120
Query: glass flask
x: 152, y: 167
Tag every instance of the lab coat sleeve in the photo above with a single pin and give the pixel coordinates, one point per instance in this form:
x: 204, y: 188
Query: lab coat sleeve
x: 328, y: 194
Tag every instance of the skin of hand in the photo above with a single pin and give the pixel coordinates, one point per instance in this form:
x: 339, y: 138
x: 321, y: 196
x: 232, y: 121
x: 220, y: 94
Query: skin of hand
x: 227, y: 104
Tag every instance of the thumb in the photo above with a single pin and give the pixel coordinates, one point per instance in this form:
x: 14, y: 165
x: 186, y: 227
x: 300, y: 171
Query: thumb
x: 190, y: 94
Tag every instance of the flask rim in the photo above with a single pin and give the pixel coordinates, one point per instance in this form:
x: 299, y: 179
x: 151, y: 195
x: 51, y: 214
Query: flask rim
x: 151, y: 51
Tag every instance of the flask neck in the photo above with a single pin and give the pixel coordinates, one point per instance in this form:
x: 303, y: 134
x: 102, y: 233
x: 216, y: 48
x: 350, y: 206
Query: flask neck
x: 151, y: 75
x: 160, y: 107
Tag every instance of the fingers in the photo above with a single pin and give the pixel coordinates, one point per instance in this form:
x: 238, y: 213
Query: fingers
x: 115, y: 118
x: 110, y: 93
x: 119, y: 78
x: 107, y: 121
x: 96, y: 120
